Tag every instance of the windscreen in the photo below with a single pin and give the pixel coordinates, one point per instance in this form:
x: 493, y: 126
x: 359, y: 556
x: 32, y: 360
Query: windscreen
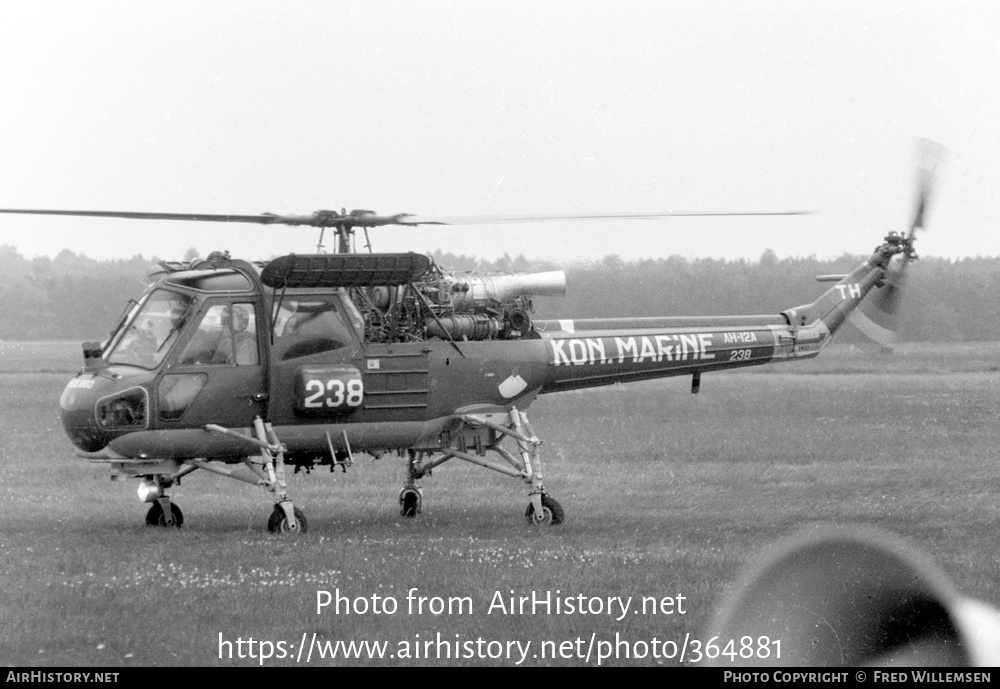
x: 148, y: 333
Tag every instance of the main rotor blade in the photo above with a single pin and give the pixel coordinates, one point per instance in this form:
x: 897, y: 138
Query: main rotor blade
x: 317, y: 219
x: 527, y: 218
x: 360, y: 218
x: 264, y: 219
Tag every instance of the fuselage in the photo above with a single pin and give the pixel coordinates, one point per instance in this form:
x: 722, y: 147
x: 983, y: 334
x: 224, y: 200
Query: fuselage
x: 216, y: 346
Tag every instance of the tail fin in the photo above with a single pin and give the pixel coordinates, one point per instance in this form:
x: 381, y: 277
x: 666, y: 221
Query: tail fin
x: 841, y: 301
x: 878, y: 317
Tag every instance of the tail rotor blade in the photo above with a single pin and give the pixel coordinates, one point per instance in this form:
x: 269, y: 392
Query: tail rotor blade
x: 929, y: 155
x: 879, y: 317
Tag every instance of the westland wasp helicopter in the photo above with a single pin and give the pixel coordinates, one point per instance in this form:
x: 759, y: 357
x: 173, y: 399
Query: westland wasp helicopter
x: 243, y: 369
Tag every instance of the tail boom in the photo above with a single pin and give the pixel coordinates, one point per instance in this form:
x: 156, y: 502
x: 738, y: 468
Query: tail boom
x: 589, y: 358
x: 592, y: 352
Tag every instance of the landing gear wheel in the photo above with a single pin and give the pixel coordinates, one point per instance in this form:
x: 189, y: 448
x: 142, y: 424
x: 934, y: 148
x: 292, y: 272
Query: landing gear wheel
x: 552, y: 513
x: 278, y: 522
x: 409, y: 503
x: 157, y: 517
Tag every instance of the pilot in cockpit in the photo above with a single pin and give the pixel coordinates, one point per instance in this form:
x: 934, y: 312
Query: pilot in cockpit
x: 236, y: 338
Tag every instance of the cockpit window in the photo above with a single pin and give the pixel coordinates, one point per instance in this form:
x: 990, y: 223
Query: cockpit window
x: 309, y: 326
x: 227, y: 334
x: 147, y: 335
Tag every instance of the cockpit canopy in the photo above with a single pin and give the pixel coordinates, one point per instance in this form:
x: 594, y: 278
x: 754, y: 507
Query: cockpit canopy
x: 150, y: 329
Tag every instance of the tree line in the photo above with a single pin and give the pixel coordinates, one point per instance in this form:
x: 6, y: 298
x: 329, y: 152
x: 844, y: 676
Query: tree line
x: 75, y: 297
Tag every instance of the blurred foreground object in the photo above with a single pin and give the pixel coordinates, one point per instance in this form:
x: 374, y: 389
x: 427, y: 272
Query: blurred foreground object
x: 851, y: 597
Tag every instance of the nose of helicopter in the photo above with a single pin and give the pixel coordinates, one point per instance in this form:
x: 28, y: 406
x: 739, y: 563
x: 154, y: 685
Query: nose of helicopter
x: 80, y: 411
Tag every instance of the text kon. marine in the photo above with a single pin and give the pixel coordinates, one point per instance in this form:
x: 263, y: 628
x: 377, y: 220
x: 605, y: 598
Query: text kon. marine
x: 607, y: 350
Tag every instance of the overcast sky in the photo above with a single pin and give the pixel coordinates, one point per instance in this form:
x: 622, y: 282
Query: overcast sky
x: 453, y: 108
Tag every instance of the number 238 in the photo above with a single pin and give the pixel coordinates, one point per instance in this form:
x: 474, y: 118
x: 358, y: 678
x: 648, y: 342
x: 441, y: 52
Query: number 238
x: 333, y: 393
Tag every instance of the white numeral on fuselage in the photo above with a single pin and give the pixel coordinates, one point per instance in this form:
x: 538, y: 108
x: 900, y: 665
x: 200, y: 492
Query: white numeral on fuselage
x: 350, y: 393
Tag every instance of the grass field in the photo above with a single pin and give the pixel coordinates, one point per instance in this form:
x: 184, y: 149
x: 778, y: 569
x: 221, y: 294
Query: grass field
x: 666, y: 494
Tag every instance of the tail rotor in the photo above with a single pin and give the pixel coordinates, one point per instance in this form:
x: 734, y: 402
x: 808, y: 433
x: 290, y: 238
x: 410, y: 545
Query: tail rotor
x: 879, y: 317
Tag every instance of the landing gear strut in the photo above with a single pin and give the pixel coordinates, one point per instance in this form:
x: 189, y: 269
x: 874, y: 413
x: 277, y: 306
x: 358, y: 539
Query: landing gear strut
x: 285, y: 518
x: 411, y: 497
x: 469, y: 442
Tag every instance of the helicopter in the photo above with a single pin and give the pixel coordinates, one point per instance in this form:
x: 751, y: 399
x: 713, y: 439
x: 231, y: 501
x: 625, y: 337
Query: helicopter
x: 251, y: 369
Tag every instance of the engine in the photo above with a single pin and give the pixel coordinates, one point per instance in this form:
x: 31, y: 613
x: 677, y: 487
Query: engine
x: 451, y: 307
